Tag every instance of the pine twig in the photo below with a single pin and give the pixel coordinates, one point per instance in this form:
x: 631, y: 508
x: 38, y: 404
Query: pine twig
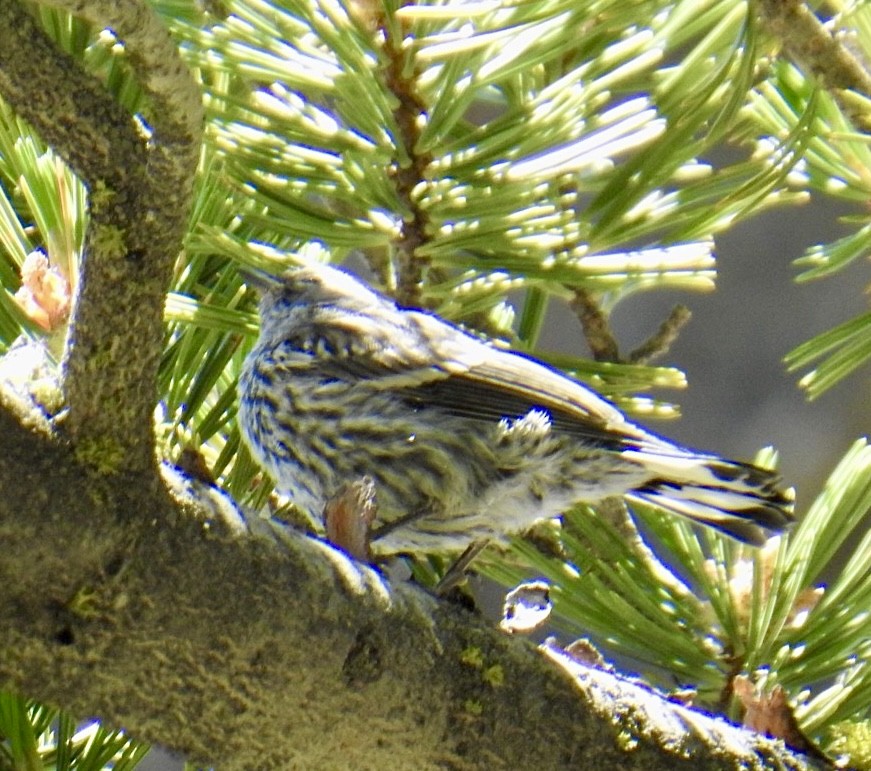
x: 813, y: 47
x: 409, y: 165
x: 597, y: 330
x: 661, y: 341
x: 603, y: 343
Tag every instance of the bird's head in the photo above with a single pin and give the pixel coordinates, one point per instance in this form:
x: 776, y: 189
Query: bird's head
x: 292, y: 298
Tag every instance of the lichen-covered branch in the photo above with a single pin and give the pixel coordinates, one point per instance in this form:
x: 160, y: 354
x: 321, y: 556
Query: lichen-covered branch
x: 69, y: 108
x: 139, y: 185
x: 175, y: 111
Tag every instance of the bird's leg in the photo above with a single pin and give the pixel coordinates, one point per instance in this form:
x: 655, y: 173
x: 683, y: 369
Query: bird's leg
x: 389, y: 527
x: 457, y: 571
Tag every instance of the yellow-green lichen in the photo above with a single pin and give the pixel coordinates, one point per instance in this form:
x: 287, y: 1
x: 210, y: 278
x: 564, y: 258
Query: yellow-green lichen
x: 472, y: 657
x: 48, y: 394
x: 626, y: 741
x: 494, y: 675
x: 473, y: 707
x: 104, y: 455
x: 100, y: 195
x: 109, y: 241
x: 852, y: 740
x: 84, y: 603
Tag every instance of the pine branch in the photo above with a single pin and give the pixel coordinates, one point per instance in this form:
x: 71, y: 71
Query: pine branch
x: 411, y: 165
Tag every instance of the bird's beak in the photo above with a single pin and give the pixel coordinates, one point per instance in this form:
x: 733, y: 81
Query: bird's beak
x: 259, y: 279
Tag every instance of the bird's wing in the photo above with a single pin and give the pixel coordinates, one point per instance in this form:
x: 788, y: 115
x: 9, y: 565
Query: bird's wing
x: 429, y: 363
x: 492, y: 384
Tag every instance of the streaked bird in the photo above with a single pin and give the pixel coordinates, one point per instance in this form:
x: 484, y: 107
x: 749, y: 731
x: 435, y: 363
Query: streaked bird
x: 464, y: 442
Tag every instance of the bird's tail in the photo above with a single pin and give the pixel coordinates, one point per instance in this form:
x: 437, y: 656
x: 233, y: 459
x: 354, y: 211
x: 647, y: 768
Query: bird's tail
x: 739, y: 499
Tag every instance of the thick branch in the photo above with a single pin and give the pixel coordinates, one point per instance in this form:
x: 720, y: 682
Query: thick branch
x: 69, y: 108
x: 175, y: 98
x: 139, y: 198
x: 260, y: 651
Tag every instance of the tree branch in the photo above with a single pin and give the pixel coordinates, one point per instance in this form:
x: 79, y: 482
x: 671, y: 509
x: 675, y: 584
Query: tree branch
x: 594, y: 322
x: 139, y: 197
x: 659, y: 343
x: 68, y: 107
x: 410, y: 163
x: 812, y: 46
x: 176, y: 102
x: 602, y: 342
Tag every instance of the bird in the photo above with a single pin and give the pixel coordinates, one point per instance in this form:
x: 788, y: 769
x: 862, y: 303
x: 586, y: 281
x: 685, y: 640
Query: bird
x: 462, y: 441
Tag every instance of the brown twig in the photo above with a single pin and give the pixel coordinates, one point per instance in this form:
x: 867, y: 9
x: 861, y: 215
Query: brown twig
x: 409, y: 164
x: 602, y: 341
x: 661, y: 341
x: 597, y: 330
x: 808, y: 43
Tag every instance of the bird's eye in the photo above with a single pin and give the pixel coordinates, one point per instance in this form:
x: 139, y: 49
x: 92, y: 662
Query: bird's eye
x: 299, y: 286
